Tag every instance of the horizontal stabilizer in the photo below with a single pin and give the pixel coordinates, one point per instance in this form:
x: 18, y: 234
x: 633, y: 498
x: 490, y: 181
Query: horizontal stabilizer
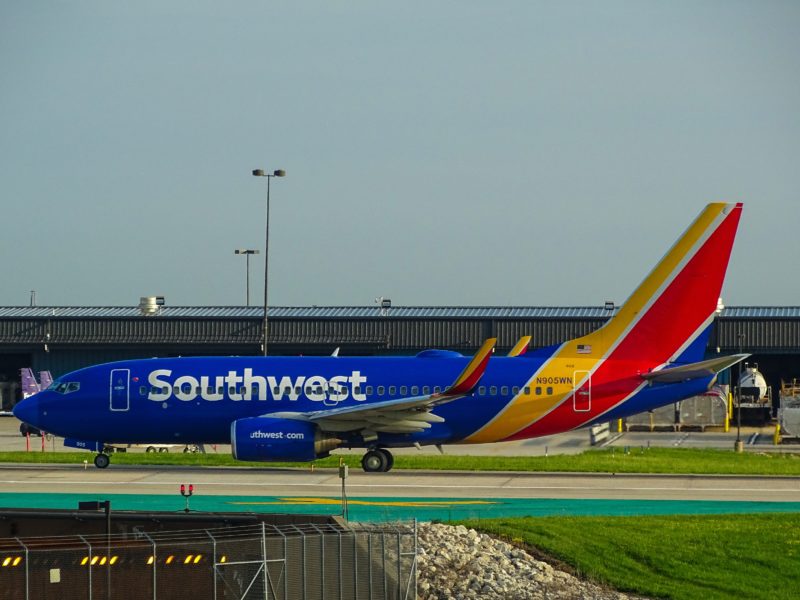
x: 696, y: 370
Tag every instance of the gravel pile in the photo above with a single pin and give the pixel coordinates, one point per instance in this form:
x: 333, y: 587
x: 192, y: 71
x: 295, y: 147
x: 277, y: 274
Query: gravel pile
x: 456, y: 563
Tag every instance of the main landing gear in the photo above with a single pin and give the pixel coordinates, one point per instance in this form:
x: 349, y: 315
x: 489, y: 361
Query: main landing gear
x: 101, y: 461
x: 377, y: 460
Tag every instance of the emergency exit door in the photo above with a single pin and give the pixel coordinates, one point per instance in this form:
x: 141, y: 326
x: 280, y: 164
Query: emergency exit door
x: 120, y: 389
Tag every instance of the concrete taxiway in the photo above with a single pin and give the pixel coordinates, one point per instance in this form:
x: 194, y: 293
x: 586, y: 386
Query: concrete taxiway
x: 325, y: 482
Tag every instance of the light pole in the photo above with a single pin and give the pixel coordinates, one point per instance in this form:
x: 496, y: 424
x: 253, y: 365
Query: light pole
x: 261, y: 173
x: 247, y: 254
x: 739, y: 446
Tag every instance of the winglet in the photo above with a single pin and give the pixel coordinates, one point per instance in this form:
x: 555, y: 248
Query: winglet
x: 473, y: 372
x: 521, y: 347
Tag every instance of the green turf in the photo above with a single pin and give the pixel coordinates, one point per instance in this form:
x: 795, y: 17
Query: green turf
x: 704, y: 557
x: 637, y: 460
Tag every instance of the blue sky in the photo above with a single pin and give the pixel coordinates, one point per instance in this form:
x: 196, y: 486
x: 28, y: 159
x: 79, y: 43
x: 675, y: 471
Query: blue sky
x: 446, y: 153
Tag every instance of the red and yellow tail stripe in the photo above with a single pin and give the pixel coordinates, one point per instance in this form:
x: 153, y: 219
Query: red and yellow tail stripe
x: 474, y: 370
x: 673, y: 305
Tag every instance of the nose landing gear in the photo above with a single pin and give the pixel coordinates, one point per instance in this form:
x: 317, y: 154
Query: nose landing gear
x: 377, y: 460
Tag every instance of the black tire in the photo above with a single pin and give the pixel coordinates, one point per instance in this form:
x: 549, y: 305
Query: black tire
x: 389, y: 459
x: 163, y: 449
x: 150, y: 449
x: 374, y: 461
x: 101, y: 461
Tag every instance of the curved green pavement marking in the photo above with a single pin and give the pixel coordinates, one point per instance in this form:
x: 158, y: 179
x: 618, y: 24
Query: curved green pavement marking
x: 395, y: 509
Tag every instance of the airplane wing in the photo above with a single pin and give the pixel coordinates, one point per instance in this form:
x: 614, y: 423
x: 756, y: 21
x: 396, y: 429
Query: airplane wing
x: 521, y: 347
x: 400, y: 415
x: 696, y: 370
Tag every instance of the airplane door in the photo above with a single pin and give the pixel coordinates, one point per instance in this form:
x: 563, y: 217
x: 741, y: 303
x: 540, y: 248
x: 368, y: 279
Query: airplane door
x: 582, y: 391
x: 119, y: 389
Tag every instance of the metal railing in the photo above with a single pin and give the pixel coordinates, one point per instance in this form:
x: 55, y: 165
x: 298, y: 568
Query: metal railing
x: 309, y: 562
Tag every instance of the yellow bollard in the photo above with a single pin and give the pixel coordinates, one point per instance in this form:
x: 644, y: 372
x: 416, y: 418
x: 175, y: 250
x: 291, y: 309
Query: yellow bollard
x: 776, y: 439
x: 619, y: 425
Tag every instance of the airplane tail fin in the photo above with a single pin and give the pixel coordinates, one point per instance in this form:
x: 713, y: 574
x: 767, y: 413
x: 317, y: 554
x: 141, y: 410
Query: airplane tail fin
x: 668, y: 317
x: 45, y: 379
x: 29, y: 383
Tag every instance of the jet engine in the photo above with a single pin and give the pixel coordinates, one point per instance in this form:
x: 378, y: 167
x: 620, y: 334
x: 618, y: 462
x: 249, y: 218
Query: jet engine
x: 273, y: 439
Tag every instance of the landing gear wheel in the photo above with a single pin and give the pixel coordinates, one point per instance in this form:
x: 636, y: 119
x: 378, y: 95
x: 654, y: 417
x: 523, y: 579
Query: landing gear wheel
x: 150, y: 449
x: 374, y: 461
x: 101, y: 461
x: 389, y: 459
x: 163, y: 449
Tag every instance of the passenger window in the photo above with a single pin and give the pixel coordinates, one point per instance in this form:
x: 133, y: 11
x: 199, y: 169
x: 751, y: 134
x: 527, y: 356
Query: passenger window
x: 482, y: 390
x: 392, y: 390
x: 369, y: 390
x: 380, y: 390
x: 549, y: 391
x: 198, y: 390
x: 357, y: 390
x: 538, y: 391
x: 143, y: 390
x: 527, y: 390
x: 426, y: 390
x: 437, y: 389
x: 403, y: 390
x: 414, y: 390
x: 515, y: 390
x: 298, y: 390
x: 276, y: 390
x: 493, y: 390
x: 176, y: 390
x: 504, y: 390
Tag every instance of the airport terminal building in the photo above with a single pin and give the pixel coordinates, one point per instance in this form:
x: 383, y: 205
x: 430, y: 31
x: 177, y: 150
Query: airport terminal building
x: 62, y: 338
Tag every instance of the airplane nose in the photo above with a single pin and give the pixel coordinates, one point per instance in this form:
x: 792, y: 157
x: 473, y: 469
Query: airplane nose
x: 29, y: 411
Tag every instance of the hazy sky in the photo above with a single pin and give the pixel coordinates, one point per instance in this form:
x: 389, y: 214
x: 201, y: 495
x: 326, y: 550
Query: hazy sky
x: 437, y: 153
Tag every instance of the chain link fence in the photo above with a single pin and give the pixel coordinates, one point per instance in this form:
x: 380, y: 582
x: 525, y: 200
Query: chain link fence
x: 265, y: 562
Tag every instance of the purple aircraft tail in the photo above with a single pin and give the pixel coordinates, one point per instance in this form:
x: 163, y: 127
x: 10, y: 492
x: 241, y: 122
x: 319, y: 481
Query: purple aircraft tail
x: 29, y: 384
x: 45, y: 379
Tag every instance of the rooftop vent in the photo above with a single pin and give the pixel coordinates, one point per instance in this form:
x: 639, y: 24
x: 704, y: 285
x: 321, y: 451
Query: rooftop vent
x: 150, y: 305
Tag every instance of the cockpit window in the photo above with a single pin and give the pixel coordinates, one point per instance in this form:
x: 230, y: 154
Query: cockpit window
x: 65, y: 387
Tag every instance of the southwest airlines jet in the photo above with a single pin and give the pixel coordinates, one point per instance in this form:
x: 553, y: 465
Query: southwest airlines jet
x: 649, y: 354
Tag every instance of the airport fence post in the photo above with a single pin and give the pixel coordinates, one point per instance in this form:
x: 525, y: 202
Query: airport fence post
x: 88, y: 563
x: 264, y: 558
x: 155, y: 561
x: 399, y: 564
x: 341, y: 585
x: 27, y: 572
x: 214, y: 558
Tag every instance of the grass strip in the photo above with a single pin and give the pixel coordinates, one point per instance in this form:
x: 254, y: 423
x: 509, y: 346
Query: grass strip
x: 637, y: 460
x: 706, y: 557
